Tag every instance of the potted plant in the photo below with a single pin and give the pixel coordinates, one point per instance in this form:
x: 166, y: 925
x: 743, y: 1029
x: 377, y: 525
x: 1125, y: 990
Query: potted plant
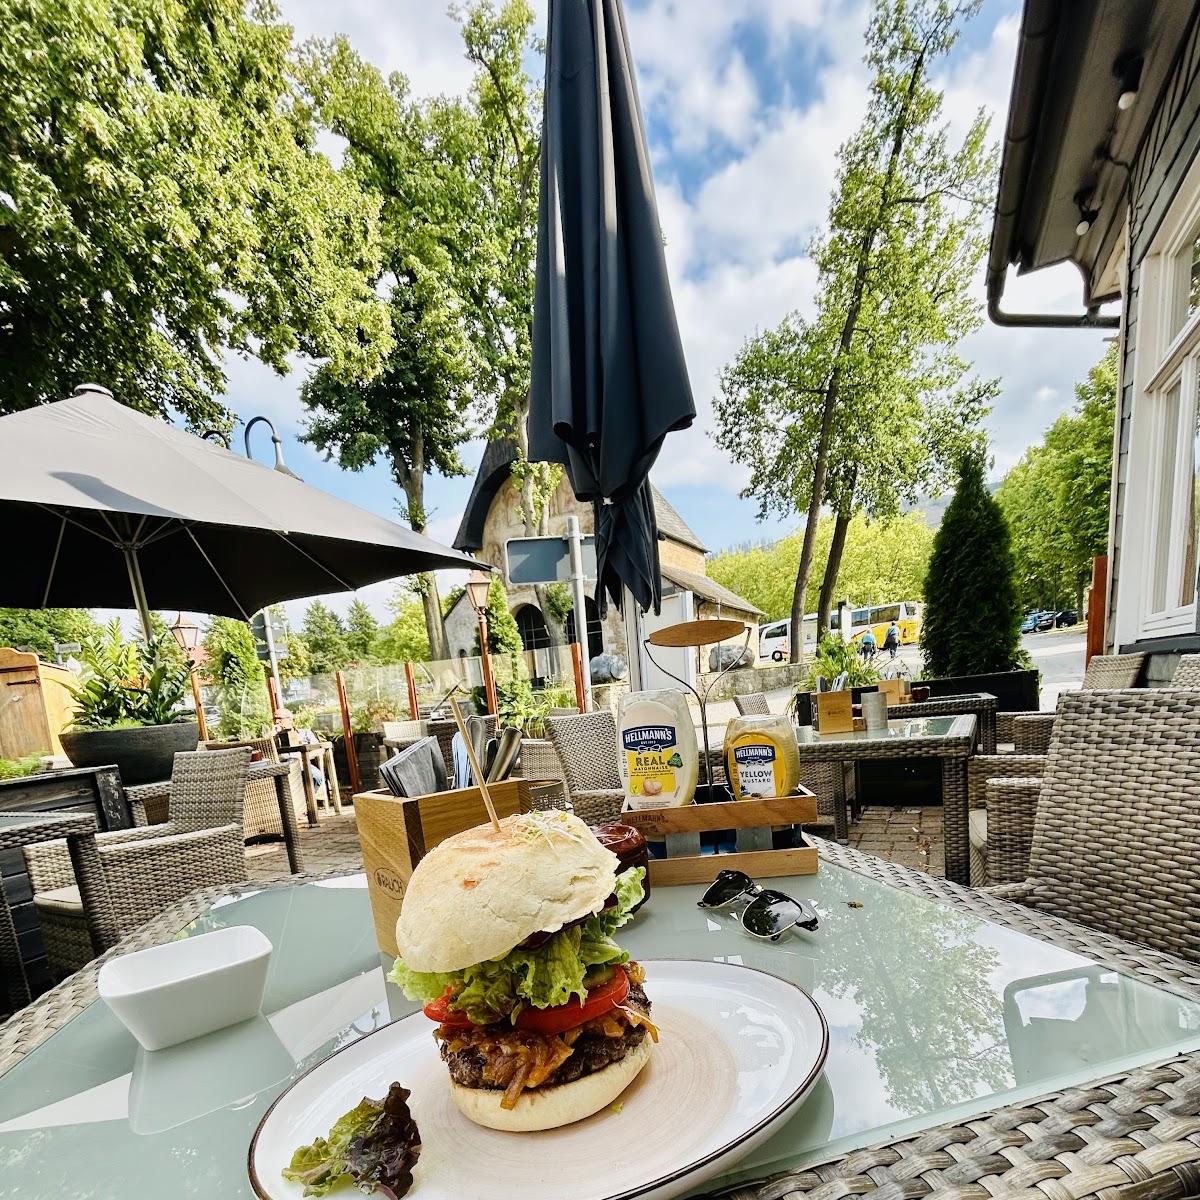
x: 129, y: 708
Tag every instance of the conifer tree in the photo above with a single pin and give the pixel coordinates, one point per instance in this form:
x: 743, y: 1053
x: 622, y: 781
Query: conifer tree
x: 972, y: 620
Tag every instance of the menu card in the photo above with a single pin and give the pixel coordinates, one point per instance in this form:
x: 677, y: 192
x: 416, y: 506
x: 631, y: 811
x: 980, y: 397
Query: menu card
x: 835, y: 712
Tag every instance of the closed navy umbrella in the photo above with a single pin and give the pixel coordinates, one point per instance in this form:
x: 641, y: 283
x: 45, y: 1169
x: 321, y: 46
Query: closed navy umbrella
x: 609, y: 377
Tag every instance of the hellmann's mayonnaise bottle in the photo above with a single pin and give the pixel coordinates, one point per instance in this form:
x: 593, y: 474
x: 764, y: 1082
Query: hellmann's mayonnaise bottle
x: 761, y: 758
x: 657, y: 743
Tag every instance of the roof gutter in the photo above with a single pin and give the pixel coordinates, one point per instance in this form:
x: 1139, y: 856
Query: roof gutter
x: 1035, y: 48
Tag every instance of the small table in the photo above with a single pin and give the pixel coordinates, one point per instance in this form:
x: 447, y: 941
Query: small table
x: 951, y: 739
x: 981, y: 704
x: 320, y: 754
x: 279, y: 772
x: 978, y: 1046
x: 27, y: 829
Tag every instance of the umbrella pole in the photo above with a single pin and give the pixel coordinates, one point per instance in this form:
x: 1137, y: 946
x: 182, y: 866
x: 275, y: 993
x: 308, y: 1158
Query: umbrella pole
x: 138, y: 587
x: 633, y: 638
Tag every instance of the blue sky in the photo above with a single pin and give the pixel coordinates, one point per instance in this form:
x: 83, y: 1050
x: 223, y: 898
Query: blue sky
x: 746, y: 103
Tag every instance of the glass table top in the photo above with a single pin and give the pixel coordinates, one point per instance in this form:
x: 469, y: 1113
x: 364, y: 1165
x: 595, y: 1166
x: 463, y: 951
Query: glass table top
x: 932, y: 1014
x: 898, y: 729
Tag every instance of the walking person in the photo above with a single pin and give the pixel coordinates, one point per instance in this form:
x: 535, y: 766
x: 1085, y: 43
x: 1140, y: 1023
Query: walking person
x: 891, y: 639
x: 867, y: 646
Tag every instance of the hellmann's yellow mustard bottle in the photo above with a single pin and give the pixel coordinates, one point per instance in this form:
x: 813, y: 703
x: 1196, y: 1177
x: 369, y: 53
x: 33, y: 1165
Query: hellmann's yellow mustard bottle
x: 761, y: 758
x: 657, y: 741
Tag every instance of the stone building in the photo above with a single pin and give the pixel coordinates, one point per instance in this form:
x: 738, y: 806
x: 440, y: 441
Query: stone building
x: 493, y: 515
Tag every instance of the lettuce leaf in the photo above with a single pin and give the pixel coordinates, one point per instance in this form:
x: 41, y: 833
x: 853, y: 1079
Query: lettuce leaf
x: 547, y: 976
x: 374, y: 1145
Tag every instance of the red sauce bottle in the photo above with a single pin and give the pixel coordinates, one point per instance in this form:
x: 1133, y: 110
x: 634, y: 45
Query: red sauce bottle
x: 629, y: 846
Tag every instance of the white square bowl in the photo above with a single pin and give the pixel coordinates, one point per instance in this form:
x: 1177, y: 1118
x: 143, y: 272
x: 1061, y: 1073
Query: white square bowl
x: 182, y: 990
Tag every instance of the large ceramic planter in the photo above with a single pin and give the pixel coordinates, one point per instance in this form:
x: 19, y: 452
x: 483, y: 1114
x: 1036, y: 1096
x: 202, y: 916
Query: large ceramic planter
x: 144, y: 754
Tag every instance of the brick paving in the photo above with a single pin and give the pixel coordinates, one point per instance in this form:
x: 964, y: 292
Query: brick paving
x: 909, y: 836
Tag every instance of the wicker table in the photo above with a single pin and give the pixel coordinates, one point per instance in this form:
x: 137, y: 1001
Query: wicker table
x: 279, y: 772
x: 319, y: 754
x: 26, y: 829
x: 981, y: 704
x: 950, y: 739
x: 941, y: 1002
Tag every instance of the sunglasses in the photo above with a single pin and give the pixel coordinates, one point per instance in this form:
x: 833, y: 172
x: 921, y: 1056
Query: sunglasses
x: 768, y: 914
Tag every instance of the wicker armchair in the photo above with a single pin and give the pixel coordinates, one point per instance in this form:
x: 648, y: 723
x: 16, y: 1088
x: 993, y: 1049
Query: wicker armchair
x: 1187, y: 672
x: 992, y: 862
x: 149, y: 867
x: 262, y: 806
x: 1116, y: 821
x: 753, y: 704
x: 444, y: 731
x: 587, y: 748
x: 1030, y: 732
x: 539, y: 760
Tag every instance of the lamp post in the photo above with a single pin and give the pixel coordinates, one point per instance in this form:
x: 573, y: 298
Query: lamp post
x: 187, y: 634
x: 478, y: 586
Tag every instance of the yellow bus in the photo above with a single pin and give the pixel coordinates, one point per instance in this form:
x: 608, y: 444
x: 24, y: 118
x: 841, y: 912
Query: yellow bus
x: 774, y: 643
x: 876, y: 618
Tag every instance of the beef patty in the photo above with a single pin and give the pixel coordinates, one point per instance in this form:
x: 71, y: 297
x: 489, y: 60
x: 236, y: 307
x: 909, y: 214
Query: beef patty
x: 592, y: 1052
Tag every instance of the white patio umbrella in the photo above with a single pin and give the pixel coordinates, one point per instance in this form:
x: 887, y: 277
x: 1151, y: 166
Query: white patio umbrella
x: 103, y: 505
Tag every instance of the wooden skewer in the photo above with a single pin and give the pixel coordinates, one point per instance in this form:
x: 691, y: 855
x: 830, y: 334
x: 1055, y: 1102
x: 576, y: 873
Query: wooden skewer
x: 475, y: 767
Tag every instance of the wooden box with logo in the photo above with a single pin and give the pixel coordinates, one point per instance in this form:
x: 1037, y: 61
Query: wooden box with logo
x: 396, y: 833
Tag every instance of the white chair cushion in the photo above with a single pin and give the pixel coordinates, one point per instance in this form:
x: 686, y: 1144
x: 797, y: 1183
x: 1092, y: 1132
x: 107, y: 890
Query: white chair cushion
x: 977, y: 829
x: 61, y: 900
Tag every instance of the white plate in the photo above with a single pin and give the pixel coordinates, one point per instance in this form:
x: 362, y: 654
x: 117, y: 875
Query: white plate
x: 738, y: 1050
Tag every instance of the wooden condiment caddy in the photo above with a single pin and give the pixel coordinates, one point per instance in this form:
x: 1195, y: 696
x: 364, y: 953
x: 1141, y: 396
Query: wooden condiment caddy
x: 663, y: 824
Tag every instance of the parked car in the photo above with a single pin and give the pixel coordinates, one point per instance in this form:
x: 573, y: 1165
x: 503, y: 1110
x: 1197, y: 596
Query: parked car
x: 1067, y: 616
x: 1046, y: 621
x: 1031, y: 622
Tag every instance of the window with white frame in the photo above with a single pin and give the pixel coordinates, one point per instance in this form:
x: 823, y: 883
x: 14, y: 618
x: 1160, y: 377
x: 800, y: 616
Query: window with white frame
x: 1169, y: 462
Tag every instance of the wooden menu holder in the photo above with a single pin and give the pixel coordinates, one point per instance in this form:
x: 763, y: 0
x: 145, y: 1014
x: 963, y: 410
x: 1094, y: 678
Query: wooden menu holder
x: 657, y: 823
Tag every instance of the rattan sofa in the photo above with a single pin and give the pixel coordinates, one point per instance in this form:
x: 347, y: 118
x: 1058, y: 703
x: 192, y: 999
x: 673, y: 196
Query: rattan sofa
x: 148, y: 867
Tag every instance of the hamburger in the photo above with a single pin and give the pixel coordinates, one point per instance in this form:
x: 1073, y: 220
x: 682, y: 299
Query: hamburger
x: 506, y: 938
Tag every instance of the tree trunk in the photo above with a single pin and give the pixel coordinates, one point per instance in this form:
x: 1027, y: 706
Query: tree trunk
x: 832, y: 387
x: 832, y: 566
x: 412, y: 480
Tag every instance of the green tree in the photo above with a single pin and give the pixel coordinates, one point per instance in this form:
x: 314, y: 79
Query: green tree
x: 859, y: 406
x: 882, y: 561
x: 325, y: 633
x: 502, y: 122
x: 404, y: 637
x: 412, y: 414
x: 232, y: 667
x: 361, y: 630
x: 40, y: 628
x: 164, y: 205
x: 1056, y: 499
x: 972, y: 618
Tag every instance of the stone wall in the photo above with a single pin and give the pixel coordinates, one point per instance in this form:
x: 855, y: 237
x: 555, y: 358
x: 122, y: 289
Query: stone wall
x: 686, y: 558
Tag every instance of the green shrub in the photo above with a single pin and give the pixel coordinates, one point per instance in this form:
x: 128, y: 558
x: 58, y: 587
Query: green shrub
x: 972, y: 619
x: 128, y: 684
x: 232, y: 666
x: 18, y: 768
x: 834, y: 656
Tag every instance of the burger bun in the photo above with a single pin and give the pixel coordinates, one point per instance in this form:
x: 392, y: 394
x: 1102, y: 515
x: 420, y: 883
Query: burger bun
x: 555, y: 1105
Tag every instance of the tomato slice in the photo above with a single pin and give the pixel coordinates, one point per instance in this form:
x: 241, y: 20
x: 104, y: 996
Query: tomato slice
x: 562, y: 1017
x: 439, y: 1010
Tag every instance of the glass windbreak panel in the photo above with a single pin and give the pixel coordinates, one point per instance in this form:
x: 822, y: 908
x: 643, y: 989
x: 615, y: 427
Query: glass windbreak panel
x: 1168, y: 415
x: 931, y: 1012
